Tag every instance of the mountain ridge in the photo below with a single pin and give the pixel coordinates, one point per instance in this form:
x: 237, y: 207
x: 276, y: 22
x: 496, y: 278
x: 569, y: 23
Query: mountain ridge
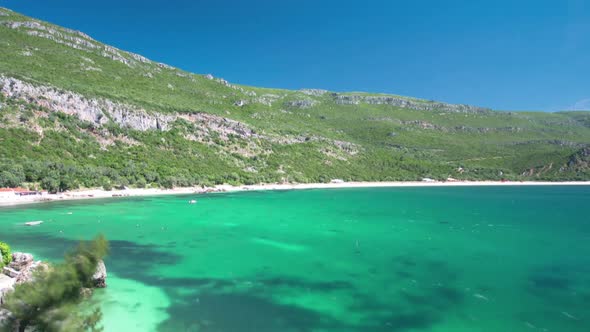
x: 127, y: 120
x: 114, y: 53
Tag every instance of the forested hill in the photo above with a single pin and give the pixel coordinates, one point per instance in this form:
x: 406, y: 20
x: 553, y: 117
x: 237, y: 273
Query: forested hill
x: 77, y: 113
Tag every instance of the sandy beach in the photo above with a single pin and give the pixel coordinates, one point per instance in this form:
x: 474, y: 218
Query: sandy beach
x: 9, y: 199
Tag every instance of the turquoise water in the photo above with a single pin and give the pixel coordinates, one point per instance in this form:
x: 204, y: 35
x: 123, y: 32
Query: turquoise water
x: 382, y: 259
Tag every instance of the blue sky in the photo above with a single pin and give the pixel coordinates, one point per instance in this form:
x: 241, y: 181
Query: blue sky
x: 508, y: 55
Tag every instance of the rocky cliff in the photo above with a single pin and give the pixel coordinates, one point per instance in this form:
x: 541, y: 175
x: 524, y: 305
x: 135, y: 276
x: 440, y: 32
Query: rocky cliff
x: 99, y: 112
x: 580, y: 161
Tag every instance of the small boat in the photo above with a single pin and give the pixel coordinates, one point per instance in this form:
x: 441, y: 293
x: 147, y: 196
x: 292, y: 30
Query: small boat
x: 34, y: 223
x: 192, y: 201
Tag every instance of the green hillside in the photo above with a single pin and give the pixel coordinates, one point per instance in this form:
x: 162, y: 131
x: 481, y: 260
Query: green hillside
x: 77, y: 113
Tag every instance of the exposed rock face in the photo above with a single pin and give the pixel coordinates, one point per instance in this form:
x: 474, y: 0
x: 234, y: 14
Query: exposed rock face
x: 206, y: 124
x: 248, y: 93
x: 99, y: 278
x: 27, y: 273
x: 20, y: 260
x: 349, y: 148
x: 420, y: 124
x: 96, y: 111
x: 340, y: 148
x: 266, y: 99
x: 22, y: 267
x: 10, y: 272
x: 580, y: 161
x: 139, y: 58
x: 140, y: 119
x: 71, y: 38
x: 20, y: 270
x: 306, y: 103
x: 240, y: 102
x: 99, y: 111
x: 484, y: 130
x: 314, y: 92
x: 165, y: 66
x: 78, y: 40
x: 563, y: 143
x: 222, y: 81
x: 346, y: 99
x: 424, y: 125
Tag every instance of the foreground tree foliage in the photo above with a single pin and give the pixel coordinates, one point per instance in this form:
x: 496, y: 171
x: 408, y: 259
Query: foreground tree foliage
x: 5, y: 255
x: 52, y: 302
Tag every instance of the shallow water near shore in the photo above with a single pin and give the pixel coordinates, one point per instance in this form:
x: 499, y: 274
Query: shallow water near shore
x: 372, y: 259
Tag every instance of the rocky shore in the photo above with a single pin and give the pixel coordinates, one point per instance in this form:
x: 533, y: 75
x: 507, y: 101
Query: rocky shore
x: 22, y: 269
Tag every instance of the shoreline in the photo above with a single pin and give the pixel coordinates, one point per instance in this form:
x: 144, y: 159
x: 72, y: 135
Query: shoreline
x: 14, y: 200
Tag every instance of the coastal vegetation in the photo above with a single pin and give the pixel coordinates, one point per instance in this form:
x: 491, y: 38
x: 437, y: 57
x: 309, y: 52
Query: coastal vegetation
x: 5, y: 254
x: 54, y: 299
x: 77, y: 113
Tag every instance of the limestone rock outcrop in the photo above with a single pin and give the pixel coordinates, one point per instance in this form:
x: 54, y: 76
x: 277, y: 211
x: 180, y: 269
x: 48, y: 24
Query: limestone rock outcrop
x: 421, y: 105
x: 22, y: 268
x: 20, y: 260
x: 580, y: 161
x: 314, y: 92
x: 26, y: 274
x: 99, y: 112
x: 99, y: 279
x: 305, y: 103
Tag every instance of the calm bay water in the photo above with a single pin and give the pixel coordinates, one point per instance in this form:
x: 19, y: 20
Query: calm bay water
x: 383, y: 259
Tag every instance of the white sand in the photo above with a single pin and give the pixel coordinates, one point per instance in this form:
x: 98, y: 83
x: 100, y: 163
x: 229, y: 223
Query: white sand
x: 12, y: 199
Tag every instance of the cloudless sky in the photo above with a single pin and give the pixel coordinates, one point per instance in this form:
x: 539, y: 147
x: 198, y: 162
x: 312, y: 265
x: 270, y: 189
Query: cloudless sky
x: 504, y: 54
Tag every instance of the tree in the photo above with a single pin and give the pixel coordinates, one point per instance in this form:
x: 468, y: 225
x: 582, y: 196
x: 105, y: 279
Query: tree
x: 105, y: 183
x: 51, y: 182
x: 141, y: 183
x: 169, y: 182
x: 8, y: 179
x: 52, y: 301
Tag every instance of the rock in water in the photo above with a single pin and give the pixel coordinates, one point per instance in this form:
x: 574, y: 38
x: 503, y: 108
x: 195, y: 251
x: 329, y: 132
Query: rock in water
x: 99, y: 278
